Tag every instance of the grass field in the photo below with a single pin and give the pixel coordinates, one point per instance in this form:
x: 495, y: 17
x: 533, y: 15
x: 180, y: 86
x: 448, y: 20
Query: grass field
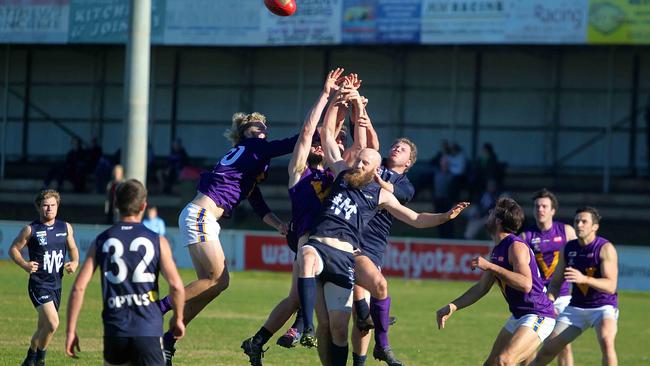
x: 214, y: 337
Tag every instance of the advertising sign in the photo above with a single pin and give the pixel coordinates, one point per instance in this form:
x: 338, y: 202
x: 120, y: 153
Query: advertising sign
x: 381, y: 21
x: 619, y: 22
x: 34, y: 21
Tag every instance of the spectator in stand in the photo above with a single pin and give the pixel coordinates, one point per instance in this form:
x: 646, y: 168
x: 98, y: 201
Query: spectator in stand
x: 443, y: 181
x: 478, y: 214
x: 73, y: 169
x: 176, y: 161
x: 153, y: 222
x: 458, y: 168
x: 112, y: 215
x: 445, y: 150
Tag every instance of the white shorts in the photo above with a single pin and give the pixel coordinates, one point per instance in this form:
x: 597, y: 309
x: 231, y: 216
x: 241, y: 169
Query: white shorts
x: 561, y: 303
x: 197, y: 225
x: 541, y: 325
x: 586, y: 318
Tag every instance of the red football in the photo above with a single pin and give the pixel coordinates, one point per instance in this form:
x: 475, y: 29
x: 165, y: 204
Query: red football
x: 282, y: 8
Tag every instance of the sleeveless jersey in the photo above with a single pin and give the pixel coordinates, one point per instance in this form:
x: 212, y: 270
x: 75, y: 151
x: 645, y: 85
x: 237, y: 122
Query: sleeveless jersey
x: 240, y: 170
x: 346, y: 211
x: 47, y: 246
x: 128, y: 255
x: 586, y: 259
x: 520, y: 303
x: 548, y: 246
x: 307, y: 198
x: 374, y: 238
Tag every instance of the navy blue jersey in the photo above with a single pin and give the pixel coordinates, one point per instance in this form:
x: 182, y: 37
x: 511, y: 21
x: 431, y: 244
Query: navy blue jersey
x: 128, y: 255
x: 346, y: 211
x: 48, y: 247
x: 375, y: 237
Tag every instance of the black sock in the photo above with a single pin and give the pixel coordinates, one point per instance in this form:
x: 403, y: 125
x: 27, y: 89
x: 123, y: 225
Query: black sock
x: 40, y: 354
x: 339, y: 354
x: 168, y: 338
x: 31, y: 355
x: 262, y: 336
x: 358, y: 360
x: 362, y: 308
x: 307, y: 295
x: 299, y: 324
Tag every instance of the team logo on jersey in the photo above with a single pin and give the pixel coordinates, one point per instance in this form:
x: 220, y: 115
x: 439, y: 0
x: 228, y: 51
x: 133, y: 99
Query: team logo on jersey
x: 53, y: 261
x: 340, y: 205
x: 589, y: 272
x: 557, y: 239
x: 42, y: 237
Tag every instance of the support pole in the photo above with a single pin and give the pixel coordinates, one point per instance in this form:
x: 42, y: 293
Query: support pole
x: 134, y: 151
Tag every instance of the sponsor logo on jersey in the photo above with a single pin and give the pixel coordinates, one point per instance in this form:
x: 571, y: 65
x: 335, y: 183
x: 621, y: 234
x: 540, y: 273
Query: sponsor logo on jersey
x: 124, y: 227
x: 116, y: 302
x: 536, y: 240
x: 44, y: 297
x: 590, y: 255
x: 61, y: 234
x: 557, y: 239
x: 573, y: 254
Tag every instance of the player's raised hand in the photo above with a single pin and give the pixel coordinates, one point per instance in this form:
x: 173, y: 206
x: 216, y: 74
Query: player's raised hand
x: 71, y: 266
x: 31, y: 267
x: 72, y: 343
x: 283, y: 228
x: 333, y: 78
x: 480, y: 263
x: 456, y: 210
x: 443, y: 314
x: 354, y: 81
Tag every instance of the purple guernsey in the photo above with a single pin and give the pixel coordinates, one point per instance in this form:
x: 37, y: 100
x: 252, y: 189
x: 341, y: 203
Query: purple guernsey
x: 236, y: 176
x: 586, y: 259
x: 307, y: 198
x: 547, y: 246
x: 520, y: 303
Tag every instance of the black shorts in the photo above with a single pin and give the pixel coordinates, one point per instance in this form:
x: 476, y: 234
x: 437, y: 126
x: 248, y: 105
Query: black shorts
x: 40, y: 296
x: 338, y: 265
x: 139, y: 351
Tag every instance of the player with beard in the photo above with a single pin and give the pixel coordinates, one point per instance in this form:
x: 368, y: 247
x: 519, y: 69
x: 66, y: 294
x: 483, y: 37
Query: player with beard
x: 335, y: 238
x: 309, y: 183
x: 590, y: 263
x: 547, y: 239
x: 513, y: 267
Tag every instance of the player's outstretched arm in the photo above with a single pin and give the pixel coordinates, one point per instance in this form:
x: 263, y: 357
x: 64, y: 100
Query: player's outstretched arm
x: 176, y: 288
x: 18, y: 244
x: 475, y: 293
x: 608, y: 271
x: 331, y: 152
x: 301, y: 149
x: 422, y: 220
x: 553, y: 290
x: 76, y: 301
x: 71, y: 266
x: 520, y: 278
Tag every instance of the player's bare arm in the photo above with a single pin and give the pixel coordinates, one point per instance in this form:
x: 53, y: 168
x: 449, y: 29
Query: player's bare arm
x: 520, y: 278
x: 331, y: 152
x: 422, y: 220
x: 18, y: 244
x: 557, y: 279
x: 570, y: 233
x: 472, y: 295
x: 176, y: 287
x: 76, y: 301
x: 608, y: 270
x: 71, y: 266
x: 298, y: 160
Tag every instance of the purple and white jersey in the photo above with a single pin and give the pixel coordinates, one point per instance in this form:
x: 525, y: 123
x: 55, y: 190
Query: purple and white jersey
x: 547, y: 246
x: 586, y: 259
x: 307, y: 198
x: 521, y: 303
x: 236, y: 176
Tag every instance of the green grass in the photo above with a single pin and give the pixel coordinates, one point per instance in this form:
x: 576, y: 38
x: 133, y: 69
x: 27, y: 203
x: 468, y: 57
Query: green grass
x: 215, y: 336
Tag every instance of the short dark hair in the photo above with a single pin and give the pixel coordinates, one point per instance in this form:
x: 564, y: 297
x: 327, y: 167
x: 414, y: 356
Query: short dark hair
x: 545, y: 193
x: 595, y: 216
x: 510, y: 213
x: 129, y: 197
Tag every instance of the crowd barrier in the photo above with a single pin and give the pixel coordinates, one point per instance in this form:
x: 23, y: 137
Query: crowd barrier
x: 410, y: 258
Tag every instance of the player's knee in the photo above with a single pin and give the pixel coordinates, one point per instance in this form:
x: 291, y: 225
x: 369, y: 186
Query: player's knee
x: 505, y: 359
x: 339, y: 331
x: 52, y: 325
x: 607, y: 344
x: 223, y: 282
x: 381, y: 288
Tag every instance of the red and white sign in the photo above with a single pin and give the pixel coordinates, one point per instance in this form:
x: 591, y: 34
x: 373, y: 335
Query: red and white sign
x: 433, y: 260
x: 267, y: 252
